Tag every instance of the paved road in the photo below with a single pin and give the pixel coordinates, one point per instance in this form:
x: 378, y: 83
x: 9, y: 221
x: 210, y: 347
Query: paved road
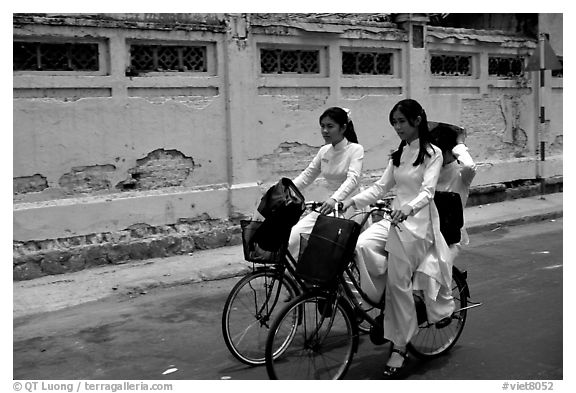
x: 517, y: 334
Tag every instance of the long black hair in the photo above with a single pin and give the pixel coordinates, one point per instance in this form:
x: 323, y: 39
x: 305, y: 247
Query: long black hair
x: 340, y: 116
x: 411, y: 109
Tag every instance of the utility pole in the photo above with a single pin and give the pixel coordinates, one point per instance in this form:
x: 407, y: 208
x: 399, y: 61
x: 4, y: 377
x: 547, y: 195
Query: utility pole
x: 543, y: 59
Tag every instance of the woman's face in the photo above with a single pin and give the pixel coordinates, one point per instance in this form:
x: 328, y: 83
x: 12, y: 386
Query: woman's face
x: 403, y: 128
x: 332, y: 132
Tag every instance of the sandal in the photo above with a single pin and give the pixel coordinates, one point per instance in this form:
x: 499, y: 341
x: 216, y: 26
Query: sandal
x: 441, y: 324
x: 392, y: 372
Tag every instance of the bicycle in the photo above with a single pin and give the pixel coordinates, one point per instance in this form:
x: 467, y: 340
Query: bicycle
x: 322, y: 327
x: 254, y: 301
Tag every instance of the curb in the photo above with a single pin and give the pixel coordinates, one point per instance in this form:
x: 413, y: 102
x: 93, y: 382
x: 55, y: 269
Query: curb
x: 514, y: 221
x: 218, y: 274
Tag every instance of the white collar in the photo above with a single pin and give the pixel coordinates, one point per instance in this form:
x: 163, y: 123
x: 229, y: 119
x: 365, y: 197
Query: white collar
x: 341, y: 145
x: 414, y: 144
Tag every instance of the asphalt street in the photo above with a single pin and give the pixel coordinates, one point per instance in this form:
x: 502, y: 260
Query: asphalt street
x: 516, y: 272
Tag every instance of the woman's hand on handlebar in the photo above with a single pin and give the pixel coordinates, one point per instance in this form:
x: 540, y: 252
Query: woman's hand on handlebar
x: 346, y: 204
x: 328, y: 206
x: 398, y: 216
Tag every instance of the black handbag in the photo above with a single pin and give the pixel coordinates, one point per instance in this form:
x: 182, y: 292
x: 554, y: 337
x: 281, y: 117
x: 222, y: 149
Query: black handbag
x: 451, y: 214
x: 281, y: 206
x: 253, y: 251
x: 326, y: 251
x: 282, y: 200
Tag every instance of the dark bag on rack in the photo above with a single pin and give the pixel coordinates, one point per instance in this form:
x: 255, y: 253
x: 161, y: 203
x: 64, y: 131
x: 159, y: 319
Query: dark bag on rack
x: 253, y: 252
x: 281, y: 206
x: 326, y: 251
x: 451, y: 214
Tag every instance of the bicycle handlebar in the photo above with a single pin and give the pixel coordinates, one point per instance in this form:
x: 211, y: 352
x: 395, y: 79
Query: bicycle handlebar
x: 380, y: 205
x: 313, y: 205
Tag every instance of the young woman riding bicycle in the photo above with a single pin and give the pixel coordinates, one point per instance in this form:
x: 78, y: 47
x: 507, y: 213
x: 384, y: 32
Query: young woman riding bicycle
x: 418, y: 256
x: 339, y: 162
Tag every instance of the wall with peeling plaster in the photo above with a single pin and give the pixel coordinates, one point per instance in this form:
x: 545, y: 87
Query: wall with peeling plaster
x: 100, y: 153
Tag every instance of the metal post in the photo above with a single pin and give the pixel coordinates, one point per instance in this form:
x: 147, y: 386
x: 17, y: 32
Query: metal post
x: 541, y: 128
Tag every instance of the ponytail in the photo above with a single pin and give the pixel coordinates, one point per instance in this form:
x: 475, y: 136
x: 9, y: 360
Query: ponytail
x: 350, y: 134
x: 397, y: 154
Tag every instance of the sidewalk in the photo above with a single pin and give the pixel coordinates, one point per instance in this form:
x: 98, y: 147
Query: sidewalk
x: 51, y: 293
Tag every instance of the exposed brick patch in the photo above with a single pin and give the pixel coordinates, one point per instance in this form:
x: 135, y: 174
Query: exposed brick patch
x: 298, y: 98
x: 494, y: 122
x: 161, y: 168
x: 25, y: 184
x: 287, y: 160
x: 557, y: 145
x: 86, y: 179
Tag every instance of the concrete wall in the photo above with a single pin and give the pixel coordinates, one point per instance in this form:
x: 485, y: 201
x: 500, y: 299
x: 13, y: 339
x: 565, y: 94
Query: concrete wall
x: 101, y: 152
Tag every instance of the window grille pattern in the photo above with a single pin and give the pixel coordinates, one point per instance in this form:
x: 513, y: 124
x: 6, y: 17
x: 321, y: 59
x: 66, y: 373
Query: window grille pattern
x: 44, y: 56
x: 371, y: 63
x: 559, y: 73
x: 505, y: 66
x: 278, y: 61
x: 148, y: 58
x: 451, y: 65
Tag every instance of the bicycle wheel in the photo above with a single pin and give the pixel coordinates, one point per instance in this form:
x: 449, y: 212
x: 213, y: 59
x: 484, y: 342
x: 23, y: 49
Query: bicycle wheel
x: 249, y: 310
x: 431, y: 340
x: 323, y: 343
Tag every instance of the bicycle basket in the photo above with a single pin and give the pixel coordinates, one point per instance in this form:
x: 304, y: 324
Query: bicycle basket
x: 252, y: 250
x: 320, y: 260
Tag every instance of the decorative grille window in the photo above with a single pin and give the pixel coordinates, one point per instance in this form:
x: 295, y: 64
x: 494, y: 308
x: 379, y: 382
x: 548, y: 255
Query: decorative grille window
x: 162, y: 58
x: 505, y: 66
x: 371, y: 63
x: 278, y: 61
x: 559, y: 73
x: 451, y: 65
x: 62, y: 56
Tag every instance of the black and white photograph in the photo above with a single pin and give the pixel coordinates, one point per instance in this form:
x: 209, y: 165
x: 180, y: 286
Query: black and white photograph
x: 254, y: 196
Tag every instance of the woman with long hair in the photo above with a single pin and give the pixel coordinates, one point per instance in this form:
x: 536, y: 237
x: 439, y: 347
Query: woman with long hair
x: 414, y: 234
